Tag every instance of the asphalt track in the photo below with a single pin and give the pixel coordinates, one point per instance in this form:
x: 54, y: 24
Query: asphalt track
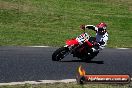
x: 34, y: 63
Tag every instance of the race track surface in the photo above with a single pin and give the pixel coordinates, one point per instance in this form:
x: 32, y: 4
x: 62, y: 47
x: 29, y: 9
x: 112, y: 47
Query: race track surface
x: 33, y: 64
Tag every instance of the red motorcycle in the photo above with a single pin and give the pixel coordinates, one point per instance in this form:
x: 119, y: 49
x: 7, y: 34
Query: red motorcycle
x: 80, y: 47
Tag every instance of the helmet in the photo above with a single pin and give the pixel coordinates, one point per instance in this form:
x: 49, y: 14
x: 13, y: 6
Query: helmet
x: 101, y: 28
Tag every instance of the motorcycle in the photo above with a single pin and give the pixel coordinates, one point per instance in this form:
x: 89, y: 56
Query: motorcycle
x: 80, y: 47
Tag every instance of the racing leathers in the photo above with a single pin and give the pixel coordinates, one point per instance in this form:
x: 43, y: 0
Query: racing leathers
x: 101, y: 39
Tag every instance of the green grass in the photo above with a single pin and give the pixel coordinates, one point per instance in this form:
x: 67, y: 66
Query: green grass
x: 70, y: 85
x: 51, y: 22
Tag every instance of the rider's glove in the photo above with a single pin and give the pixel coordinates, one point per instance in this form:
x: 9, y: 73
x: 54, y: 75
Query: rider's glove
x: 82, y: 26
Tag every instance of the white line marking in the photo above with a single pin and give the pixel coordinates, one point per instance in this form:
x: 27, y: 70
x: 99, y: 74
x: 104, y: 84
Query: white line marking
x: 39, y: 82
x: 123, y: 48
x: 49, y: 46
x: 38, y: 46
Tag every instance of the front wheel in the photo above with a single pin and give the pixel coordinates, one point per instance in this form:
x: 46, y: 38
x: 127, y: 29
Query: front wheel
x: 59, y: 53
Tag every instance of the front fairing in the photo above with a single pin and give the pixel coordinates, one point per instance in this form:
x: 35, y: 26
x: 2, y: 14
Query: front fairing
x: 79, y: 40
x: 71, y: 42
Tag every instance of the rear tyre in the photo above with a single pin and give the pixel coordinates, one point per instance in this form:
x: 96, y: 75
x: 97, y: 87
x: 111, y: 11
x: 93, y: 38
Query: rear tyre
x: 59, y: 54
x: 94, y: 54
x: 91, y: 56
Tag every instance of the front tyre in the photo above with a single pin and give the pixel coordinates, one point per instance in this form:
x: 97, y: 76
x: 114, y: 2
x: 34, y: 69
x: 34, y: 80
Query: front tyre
x: 59, y: 54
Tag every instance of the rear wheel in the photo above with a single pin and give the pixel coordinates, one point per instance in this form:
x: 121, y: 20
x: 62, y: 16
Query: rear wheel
x: 59, y: 54
x: 91, y: 56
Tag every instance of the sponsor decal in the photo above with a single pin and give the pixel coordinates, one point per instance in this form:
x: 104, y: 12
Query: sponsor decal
x: 82, y: 78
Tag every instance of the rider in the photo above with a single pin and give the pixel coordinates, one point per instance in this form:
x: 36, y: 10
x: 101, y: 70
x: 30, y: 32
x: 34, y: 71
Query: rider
x: 101, y: 35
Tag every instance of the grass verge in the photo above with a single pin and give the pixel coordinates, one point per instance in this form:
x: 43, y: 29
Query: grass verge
x: 51, y: 22
x: 70, y: 85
